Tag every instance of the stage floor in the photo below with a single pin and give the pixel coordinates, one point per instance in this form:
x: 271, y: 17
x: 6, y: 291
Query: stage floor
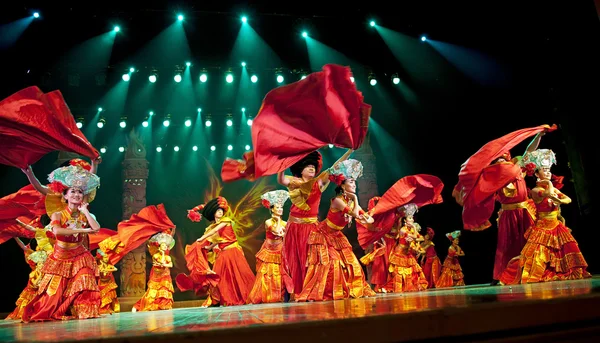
x: 466, y: 312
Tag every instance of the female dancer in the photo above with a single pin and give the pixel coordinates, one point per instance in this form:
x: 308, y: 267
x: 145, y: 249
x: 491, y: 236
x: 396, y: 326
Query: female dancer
x: 107, y: 284
x: 271, y: 278
x: 430, y: 262
x: 333, y: 270
x: 68, y: 288
x: 236, y: 277
x: 551, y: 252
x: 452, y: 274
x: 159, y: 294
x: 305, y: 193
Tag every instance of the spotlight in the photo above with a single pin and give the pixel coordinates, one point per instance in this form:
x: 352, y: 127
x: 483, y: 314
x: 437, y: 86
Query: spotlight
x: 199, y: 110
x: 103, y: 150
x: 279, y: 78
x: 180, y: 17
x: 187, y: 64
x: 101, y: 123
x: 126, y: 77
x: 423, y: 38
x: 116, y: 29
x: 121, y: 149
x: 176, y: 148
x: 230, y: 147
x: 123, y: 122
x: 243, y: 109
x: 132, y: 70
x: 254, y: 78
x: 79, y: 123
x: 249, y: 122
x: 152, y: 78
x: 395, y: 79
x: 177, y: 78
x: 99, y: 109
x: 151, y: 113
x: 243, y: 64
x: 36, y: 15
x: 208, y: 123
x: 352, y: 79
x: 372, y: 23
x: 330, y: 146
x: 229, y: 78
x: 167, y: 121
x: 229, y: 122
x: 304, y: 34
x: 372, y: 79
x: 213, y: 148
x: 302, y: 77
x: 195, y: 148
x: 158, y: 149
x: 247, y: 147
x: 188, y: 122
x: 244, y: 19
x: 203, y: 77
x: 145, y: 123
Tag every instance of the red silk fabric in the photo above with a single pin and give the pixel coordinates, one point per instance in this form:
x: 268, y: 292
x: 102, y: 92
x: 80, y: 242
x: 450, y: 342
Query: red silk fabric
x: 296, y: 119
x: 33, y: 124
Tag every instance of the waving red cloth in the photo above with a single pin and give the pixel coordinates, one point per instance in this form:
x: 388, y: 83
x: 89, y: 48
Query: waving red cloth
x: 96, y: 238
x: 199, y: 279
x: 478, y: 181
x: 296, y: 119
x: 33, y: 124
x: 420, y: 189
x: 26, y: 204
x: 136, y: 231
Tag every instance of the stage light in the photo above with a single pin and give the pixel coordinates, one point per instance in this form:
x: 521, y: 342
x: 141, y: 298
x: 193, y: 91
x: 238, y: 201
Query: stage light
x: 176, y: 148
x: 158, y: 149
x: 244, y: 19
x: 423, y: 38
x: 152, y: 78
x: 352, y: 79
x: 243, y: 64
x: 123, y: 122
x: 247, y: 147
x: 121, y: 149
x: 254, y: 78
x: 132, y: 70
x: 208, y: 123
x: 279, y: 78
x: 203, y: 77
x: 125, y: 77
x: 199, y: 110
x: 213, y: 148
x: 372, y: 79
x: 188, y: 122
x: 151, y: 113
x: 99, y: 109
x: 79, y: 123
x: 229, y: 122
x: 230, y: 147
x: 304, y: 34
x: 103, y: 150
x: 180, y: 17
x: 187, y: 64
x: 177, y: 78
x: 243, y: 109
x: 330, y: 146
x: 145, y: 123
x: 372, y: 23
x: 36, y: 15
x: 229, y: 78
x: 195, y: 148
x: 249, y: 122
x: 395, y: 79
x: 116, y: 29
x: 166, y: 123
x: 302, y: 77
x: 101, y: 123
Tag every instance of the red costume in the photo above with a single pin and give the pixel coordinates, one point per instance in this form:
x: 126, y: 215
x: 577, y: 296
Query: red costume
x: 481, y: 182
x: 452, y: 274
x: 431, y: 264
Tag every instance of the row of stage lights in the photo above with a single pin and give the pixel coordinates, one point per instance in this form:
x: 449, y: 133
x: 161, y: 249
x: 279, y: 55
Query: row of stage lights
x: 166, y: 122
x: 176, y: 148
x: 153, y: 77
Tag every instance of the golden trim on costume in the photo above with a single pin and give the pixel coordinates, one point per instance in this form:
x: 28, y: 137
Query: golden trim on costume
x: 308, y: 220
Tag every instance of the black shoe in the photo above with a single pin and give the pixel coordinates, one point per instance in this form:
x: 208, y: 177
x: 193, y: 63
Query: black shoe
x: 495, y: 283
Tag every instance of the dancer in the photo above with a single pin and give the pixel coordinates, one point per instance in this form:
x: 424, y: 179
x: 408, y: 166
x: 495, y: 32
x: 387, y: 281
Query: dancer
x: 551, y: 252
x: 236, y: 277
x: 430, y: 263
x: 271, y: 278
x: 405, y: 273
x: 491, y: 174
x: 159, y: 293
x: 107, y: 285
x: 305, y: 193
x: 333, y: 270
x: 452, y: 274
x: 68, y: 288
x: 36, y: 260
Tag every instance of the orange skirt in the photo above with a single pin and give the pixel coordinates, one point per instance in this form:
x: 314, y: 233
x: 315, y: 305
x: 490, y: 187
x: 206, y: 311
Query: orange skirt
x: 236, y: 278
x: 271, y: 279
x: 159, y: 295
x: 108, y: 294
x: 452, y: 274
x: 24, y: 298
x: 405, y: 274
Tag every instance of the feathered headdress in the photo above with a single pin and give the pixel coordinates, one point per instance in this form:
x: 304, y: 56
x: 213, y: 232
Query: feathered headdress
x: 453, y: 235
x: 348, y: 169
x: 208, y: 210
x: 278, y: 197
x: 540, y: 158
x: 73, y: 176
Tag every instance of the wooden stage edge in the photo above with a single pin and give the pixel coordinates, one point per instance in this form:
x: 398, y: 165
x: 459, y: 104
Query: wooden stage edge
x: 549, y: 312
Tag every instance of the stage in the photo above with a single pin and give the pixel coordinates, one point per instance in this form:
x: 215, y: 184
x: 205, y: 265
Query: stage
x: 554, y: 311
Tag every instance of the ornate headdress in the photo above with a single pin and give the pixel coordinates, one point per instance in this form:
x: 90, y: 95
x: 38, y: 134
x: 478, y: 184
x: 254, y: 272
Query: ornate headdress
x: 453, y: 235
x: 540, y: 158
x: 161, y: 238
x: 278, y: 197
x: 348, y: 169
x: 430, y: 233
x: 72, y: 176
x: 77, y: 162
x: 208, y: 210
x: 314, y: 158
x: 408, y: 210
